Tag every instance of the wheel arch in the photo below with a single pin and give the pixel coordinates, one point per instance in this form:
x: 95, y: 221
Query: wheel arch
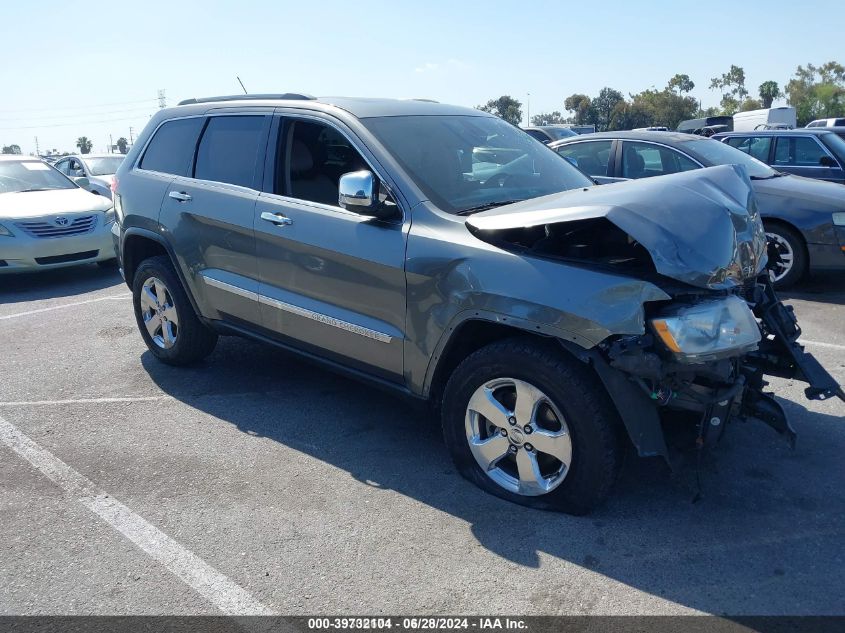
x: 471, y: 334
x: 139, y: 244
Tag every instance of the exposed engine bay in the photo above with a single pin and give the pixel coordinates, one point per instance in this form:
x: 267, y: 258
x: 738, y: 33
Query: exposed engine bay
x: 707, y: 350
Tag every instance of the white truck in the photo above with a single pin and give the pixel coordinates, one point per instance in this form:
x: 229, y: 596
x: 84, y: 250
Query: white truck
x: 765, y: 119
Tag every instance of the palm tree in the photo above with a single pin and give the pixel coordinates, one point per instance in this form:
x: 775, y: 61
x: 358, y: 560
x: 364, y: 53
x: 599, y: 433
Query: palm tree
x: 84, y: 144
x: 769, y: 91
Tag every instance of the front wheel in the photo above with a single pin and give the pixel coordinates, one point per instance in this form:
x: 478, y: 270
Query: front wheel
x: 165, y: 317
x: 787, y: 256
x: 533, y: 426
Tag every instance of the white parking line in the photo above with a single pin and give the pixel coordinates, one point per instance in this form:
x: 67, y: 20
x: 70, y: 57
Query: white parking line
x: 821, y: 344
x: 225, y: 594
x: 59, y: 307
x: 31, y: 403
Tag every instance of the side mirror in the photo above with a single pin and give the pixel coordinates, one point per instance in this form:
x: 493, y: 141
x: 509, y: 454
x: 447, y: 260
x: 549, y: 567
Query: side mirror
x: 357, y: 192
x: 82, y: 181
x: 827, y: 161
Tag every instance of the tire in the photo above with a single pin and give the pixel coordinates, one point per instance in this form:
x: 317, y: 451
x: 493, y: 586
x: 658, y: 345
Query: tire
x: 596, y: 442
x: 181, y: 338
x: 786, y: 243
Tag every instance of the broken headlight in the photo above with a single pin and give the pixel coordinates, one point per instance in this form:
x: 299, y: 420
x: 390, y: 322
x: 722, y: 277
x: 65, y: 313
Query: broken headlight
x: 709, y: 330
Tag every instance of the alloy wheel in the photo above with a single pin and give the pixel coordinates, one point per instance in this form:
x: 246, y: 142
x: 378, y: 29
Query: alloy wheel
x: 158, y: 312
x: 785, y: 256
x: 518, y: 436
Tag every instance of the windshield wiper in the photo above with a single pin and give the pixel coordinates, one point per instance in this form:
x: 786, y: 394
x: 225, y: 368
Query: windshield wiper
x: 487, y: 205
x: 777, y: 174
x: 36, y: 189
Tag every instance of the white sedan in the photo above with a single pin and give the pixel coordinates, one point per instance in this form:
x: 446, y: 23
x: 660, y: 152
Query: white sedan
x: 49, y: 221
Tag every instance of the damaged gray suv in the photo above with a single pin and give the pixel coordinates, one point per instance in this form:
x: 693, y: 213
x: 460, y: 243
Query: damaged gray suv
x: 444, y: 253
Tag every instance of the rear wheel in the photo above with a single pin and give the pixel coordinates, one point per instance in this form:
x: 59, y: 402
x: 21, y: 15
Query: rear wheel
x: 533, y: 426
x: 165, y: 317
x: 787, y: 253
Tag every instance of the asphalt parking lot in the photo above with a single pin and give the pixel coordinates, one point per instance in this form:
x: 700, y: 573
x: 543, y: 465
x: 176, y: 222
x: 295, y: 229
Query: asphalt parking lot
x: 256, y: 483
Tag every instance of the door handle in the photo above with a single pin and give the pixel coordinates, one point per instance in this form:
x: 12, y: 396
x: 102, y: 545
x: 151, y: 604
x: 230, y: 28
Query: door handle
x: 181, y: 196
x: 276, y: 218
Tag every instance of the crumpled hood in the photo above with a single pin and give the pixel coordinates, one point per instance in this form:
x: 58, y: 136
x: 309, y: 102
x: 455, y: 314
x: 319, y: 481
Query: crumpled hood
x: 700, y: 227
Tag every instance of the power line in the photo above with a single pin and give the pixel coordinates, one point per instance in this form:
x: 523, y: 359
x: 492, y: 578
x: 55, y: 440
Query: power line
x: 36, y: 127
x: 71, y: 116
x: 81, y: 107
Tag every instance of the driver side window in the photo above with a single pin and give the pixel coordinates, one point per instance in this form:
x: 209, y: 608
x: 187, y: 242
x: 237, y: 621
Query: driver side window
x: 313, y: 158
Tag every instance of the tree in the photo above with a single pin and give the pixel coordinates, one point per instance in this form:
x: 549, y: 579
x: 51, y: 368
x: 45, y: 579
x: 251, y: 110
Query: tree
x: 549, y: 118
x: 603, y: 106
x: 505, y: 107
x: 12, y: 149
x: 582, y: 109
x: 627, y: 116
x: 769, y: 91
x: 122, y: 145
x: 817, y: 92
x: 681, y: 83
x: 84, y: 144
x: 664, y: 107
x: 750, y: 104
x: 732, y: 87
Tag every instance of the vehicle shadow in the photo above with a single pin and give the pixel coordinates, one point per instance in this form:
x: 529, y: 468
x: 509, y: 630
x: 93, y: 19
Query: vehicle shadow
x: 821, y: 287
x: 60, y: 282
x: 766, y: 511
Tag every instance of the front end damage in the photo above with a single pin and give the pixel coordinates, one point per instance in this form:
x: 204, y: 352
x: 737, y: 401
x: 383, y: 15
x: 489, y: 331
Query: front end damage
x: 704, y: 354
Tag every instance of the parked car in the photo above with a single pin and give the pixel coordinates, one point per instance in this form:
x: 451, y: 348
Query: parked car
x: 803, y: 217
x: 99, y: 169
x: 812, y: 153
x: 706, y: 126
x: 49, y: 221
x: 782, y: 118
x: 832, y: 122
x: 367, y: 235
x: 549, y: 133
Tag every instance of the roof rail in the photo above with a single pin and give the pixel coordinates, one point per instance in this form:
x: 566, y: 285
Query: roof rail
x: 290, y: 96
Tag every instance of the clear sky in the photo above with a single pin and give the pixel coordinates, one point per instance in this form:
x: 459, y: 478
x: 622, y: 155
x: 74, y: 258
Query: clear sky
x: 95, y: 68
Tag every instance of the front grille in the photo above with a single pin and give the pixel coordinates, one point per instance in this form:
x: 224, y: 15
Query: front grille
x: 62, y: 259
x: 50, y: 228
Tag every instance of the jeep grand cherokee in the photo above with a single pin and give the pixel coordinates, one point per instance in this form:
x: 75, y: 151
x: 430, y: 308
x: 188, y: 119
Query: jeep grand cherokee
x: 444, y: 253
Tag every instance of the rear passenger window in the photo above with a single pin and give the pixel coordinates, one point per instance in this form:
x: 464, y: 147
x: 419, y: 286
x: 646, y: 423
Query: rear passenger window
x: 230, y: 149
x: 590, y: 157
x: 756, y: 146
x: 172, y: 147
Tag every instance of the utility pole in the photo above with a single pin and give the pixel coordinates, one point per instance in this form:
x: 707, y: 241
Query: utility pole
x: 528, y: 109
x: 111, y: 144
x: 162, y: 99
x: 131, y: 135
x: 37, y: 151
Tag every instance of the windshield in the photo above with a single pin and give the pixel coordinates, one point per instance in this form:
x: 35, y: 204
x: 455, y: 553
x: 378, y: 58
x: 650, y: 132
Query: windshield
x: 717, y: 153
x: 464, y: 163
x: 30, y: 175
x: 104, y: 166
